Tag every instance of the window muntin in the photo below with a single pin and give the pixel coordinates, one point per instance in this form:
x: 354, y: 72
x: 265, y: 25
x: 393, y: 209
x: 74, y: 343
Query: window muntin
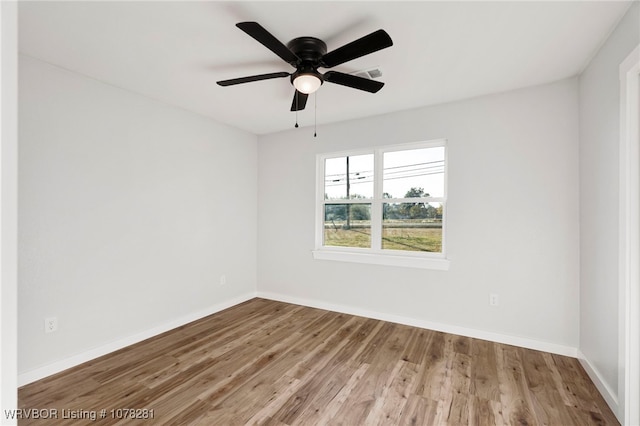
x: 391, y: 201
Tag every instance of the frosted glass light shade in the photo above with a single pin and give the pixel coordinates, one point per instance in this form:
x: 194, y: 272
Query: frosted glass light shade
x: 307, y: 83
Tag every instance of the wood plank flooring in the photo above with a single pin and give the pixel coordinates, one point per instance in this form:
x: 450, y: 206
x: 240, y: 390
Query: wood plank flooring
x: 273, y: 363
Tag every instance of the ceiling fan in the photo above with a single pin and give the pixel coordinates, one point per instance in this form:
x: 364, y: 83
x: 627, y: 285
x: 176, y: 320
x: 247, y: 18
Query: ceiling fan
x: 307, y: 54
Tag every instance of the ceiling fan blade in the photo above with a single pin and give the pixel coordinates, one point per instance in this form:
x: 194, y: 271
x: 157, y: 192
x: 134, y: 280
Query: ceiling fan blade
x: 258, y: 32
x: 299, y: 101
x: 353, y: 81
x: 373, y: 42
x: 251, y: 78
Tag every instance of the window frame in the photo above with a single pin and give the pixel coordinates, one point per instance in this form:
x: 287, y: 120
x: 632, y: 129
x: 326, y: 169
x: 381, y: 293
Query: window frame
x: 376, y: 254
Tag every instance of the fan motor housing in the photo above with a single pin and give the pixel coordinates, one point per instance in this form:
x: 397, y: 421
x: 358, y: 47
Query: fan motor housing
x: 309, y: 49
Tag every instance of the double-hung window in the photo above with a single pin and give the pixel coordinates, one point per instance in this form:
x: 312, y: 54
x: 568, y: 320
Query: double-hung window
x: 384, y: 205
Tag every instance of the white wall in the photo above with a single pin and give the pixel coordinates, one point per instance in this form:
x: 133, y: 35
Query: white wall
x: 129, y: 212
x: 512, y: 219
x: 9, y: 209
x: 599, y: 174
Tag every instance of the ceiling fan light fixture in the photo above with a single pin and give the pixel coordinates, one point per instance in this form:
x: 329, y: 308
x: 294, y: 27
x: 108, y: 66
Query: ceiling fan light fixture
x: 307, y: 83
x: 306, y: 55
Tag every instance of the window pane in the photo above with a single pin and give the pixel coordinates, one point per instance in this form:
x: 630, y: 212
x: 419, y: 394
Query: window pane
x: 412, y: 226
x: 358, y: 183
x: 347, y: 225
x: 414, y: 173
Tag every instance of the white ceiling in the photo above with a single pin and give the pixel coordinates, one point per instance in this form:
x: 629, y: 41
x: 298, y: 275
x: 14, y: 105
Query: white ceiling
x: 443, y: 51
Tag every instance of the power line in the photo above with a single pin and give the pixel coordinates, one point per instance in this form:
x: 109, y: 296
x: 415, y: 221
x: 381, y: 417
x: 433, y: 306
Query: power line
x: 391, y: 168
x: 333, y: 182
x: 440, y: 169
x: 421, y: 174
x: 416, y: 164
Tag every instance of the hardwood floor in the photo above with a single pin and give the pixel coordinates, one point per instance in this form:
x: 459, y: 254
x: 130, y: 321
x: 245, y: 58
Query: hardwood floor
x: 272, y: 363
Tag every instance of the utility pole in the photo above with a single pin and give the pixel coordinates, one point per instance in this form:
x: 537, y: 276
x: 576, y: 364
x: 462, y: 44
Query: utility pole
x: 348, y: 226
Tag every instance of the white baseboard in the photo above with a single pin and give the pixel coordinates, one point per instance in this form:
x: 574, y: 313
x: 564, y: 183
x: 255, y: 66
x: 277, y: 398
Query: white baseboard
x: 58, y: 366
x: 523, y: 342
x: 605, y: 390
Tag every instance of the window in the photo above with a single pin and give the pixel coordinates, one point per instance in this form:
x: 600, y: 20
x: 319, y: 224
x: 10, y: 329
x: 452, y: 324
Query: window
x: 383, y: 206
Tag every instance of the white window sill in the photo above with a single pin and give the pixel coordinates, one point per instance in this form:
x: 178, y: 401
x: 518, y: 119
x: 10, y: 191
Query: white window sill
x: 383, y: 259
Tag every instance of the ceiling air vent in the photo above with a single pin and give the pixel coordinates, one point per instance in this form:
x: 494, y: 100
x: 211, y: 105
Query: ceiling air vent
x: 369, y: 74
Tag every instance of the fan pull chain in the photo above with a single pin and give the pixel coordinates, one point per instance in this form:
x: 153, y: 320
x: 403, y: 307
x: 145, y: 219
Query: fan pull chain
x: 315, y: 114
x: 296, y: 95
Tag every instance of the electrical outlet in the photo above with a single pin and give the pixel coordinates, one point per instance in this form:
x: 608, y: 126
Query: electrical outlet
x: 50, y: 324
x: 494, y: 299
x: 223, y: 280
